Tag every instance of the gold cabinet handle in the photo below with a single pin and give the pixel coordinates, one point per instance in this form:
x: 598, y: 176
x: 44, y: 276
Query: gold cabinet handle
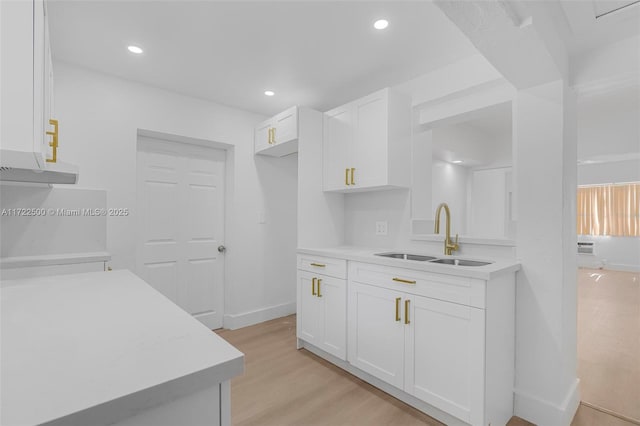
x: 353, y: 173
x: 401, y: 280
x: 271, y: 136
x: 313, y: 286
x: 54, y: 141
x: 406, y: 311
x: 319, y: 281
x: 398, y: 308
x: 319, y: 265
x: 346, y: 176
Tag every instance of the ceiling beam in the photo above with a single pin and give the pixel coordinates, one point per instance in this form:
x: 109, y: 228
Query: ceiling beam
x: 521, y: 44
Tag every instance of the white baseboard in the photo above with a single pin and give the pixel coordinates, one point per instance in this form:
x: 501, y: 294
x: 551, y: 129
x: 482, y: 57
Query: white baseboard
x: 245, y: 319
x: 543, y: 412
x: 613, y: 267
x: 622, y: 267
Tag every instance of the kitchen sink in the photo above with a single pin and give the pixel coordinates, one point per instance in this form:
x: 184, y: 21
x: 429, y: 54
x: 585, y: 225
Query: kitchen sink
x: 407, y: 256
x: 461, y: 262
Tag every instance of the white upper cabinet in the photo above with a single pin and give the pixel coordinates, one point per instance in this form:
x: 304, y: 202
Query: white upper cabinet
x: 26, y: 85
x: 278, y: 136
x: 367, y: 143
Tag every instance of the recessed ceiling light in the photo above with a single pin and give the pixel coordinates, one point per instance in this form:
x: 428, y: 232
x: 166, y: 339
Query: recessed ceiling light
x: 457, y: 161
x: 135, y: 49
x: 381, y: 24
x: 269, y: 92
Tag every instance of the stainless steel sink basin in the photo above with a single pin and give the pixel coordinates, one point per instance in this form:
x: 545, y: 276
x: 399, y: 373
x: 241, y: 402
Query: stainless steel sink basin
x: 407, y: 256
x: 461, y: 262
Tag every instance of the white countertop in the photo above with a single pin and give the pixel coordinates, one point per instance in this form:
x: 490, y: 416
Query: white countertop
x: 367, y: 255
x: 53, y: 259
x: 75, y: 342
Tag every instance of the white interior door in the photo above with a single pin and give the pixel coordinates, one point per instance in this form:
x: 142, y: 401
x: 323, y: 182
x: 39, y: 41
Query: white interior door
x: 180, y: 192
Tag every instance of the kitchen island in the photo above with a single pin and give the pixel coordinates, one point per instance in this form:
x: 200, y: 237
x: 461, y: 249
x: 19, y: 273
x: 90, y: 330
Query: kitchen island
x: 106, y: 348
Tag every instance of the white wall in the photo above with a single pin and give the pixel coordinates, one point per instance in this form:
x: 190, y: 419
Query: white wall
x: 608, y: 125
x: 363, y: 210
x: 99, y: 120
x: 609, y: 134
x: 609, y: 172
x: 546, y: 388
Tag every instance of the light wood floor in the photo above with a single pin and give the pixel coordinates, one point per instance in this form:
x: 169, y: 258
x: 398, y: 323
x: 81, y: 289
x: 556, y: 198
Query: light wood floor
x: 609, y: 340
x: 282, y: 386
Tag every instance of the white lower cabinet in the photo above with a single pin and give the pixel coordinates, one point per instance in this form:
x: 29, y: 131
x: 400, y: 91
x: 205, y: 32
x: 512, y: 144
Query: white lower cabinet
x: 322, y: 312
x: 429, y: 348
x: 444, y: 356
x: 445, y: 340
x: 376, y: 332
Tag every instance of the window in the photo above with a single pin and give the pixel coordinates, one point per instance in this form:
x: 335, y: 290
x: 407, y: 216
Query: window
x: 609, y: 210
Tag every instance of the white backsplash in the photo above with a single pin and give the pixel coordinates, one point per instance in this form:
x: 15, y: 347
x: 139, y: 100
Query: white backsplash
x: 54, y: 227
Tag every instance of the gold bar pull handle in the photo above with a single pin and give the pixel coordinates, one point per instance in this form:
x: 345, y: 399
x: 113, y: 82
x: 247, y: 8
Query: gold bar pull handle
x: 353, y: 173
x: 313, y: 286
x: 319, y: 281
x: 398, y: 308
x: 319, y: 265
x: 402, y: 280
x: 54, y: 141
x: 346, y: 176
x: 406, y: 311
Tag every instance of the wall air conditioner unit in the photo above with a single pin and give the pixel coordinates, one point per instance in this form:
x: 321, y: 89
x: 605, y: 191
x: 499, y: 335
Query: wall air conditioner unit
x: 586, y: 247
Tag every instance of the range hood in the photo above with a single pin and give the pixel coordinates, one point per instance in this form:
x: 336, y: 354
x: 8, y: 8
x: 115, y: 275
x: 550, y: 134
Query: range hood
x: 19, y: 166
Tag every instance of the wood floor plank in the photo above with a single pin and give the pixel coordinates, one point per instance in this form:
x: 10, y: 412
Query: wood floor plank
x: 283, y: 386
x: 609, y: 340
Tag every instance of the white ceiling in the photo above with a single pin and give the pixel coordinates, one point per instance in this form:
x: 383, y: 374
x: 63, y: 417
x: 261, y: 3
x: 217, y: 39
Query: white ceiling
x: 582, y: 30
x: 318, y: 54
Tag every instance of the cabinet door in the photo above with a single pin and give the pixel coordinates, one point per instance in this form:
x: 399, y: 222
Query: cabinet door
x: 337, y: 141
x: 376, y: 332
x: 261, y: 136
x: 286, y: 126
x: 309, y: 310
x: 40, y: 141
x: 444, y: 362
x: 371, y: 140
x: 47, y: 95
x: 332, y: 293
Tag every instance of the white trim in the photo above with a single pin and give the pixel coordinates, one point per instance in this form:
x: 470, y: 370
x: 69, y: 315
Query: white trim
x: 245, y: 319
x: 602, y: 86
x: 543, y: 412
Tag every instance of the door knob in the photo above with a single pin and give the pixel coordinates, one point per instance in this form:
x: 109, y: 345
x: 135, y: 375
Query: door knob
x: 222, y: 249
